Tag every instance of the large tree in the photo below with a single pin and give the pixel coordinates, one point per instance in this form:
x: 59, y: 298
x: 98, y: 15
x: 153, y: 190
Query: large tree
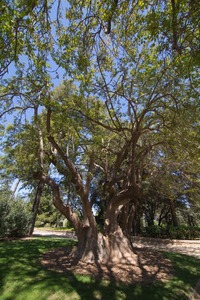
x: 135, y: 65
x: 74, y: 148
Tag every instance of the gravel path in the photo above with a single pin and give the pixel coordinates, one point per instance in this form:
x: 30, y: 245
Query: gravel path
x: 54, y: 233
x: 188, y: 247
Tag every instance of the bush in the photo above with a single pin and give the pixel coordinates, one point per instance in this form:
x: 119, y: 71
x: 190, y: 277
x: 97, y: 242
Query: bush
x: 67, y: 224
x: 171, y: 232
x: 4, y: 213
x: 15, y: 218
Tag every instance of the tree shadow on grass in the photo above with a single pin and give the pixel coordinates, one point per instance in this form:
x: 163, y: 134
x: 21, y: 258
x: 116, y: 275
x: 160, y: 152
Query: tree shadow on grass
x: 187, y: 271
x: 22, y: 277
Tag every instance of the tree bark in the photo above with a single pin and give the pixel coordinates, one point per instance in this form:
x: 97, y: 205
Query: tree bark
x: 137, y: 222
x: 126, y: 218
x: 99, y: 248
x: 93, y: 247
x: 120, y: 200
x: 36, y: 205
x: 15, y: 189
x: 173, y: 213
x: 115, y: 248
x: 87, y: 244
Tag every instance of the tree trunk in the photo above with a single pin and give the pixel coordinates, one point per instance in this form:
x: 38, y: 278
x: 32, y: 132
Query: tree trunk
x: 165, y: 211
x: 93, y: 247
x: 173, y: 213
x: 131, y: 219
x: 137, y: 222
x: 87, y: 244
x: 97, y: 248
x: 123, y: 218
x: 15, y: 189
x: 127, y: 217
x: 191, y: 221
x: 113, y: 246
x: 36, y: 205
x: 117, y: 204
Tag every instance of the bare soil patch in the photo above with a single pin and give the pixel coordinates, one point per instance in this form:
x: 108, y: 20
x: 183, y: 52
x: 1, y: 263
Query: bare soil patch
x: 147, y: 267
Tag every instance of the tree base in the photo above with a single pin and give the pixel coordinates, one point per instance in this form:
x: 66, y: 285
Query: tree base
x: 115, y: 248
x: 147, y: 266
x: 105, y: 249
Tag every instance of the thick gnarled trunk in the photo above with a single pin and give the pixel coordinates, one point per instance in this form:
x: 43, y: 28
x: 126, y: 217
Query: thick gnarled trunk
x: 112, y: 245
x: 115, y: 247
x: 104, y: 249
x: 87, y: 249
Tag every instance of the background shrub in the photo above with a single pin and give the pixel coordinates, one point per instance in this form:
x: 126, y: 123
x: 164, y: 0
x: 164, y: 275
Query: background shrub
x: 180, y: 232
x: 15, y: 218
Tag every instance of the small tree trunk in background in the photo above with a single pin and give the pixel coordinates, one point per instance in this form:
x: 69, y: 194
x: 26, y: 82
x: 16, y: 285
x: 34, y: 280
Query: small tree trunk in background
x: 191, y: 221
x: 173, y: 213
x: 123, y: 218
x: 131, y: 219
x: 137, y: 222
x: 126, y: 218
x: 36, y: 204
x: 15, y: 189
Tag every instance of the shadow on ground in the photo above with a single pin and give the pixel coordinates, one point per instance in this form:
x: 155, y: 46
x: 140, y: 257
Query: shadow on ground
x: 22, y: 277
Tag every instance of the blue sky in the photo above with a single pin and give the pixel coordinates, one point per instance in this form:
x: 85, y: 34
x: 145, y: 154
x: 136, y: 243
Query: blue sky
x: 56, y: 74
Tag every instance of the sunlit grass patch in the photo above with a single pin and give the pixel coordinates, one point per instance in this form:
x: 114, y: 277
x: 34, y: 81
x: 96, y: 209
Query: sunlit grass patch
x: 22, y: 277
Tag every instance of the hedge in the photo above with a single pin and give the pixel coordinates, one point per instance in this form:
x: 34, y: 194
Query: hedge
x: 170, y: 232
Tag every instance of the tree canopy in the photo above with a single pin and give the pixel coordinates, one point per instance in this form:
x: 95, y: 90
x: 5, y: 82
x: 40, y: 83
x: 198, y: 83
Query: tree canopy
x: 124, y: 120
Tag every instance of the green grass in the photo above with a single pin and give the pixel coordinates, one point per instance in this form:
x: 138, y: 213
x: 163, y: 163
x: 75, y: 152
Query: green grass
x: 55, y: 228
x: 23, y: 278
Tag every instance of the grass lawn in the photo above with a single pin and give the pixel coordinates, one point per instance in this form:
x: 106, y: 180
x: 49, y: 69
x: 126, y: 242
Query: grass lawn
x: 23, y: 278
x: 54, y: 228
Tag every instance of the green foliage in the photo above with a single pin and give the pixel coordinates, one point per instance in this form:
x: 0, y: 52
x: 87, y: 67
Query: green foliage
x: 67, y: 224
x: 136, y: 69
x: 15, y: 217
x: 171, y: 232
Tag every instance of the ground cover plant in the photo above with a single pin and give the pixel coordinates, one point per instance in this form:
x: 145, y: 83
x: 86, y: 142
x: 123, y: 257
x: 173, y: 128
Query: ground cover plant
x: 23, y: 277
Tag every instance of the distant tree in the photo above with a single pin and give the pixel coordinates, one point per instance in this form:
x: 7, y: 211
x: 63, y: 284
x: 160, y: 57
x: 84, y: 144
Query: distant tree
x: 47, y: 214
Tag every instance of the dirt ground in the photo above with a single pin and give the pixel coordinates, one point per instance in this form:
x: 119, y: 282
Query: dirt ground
x: 149, y: 264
